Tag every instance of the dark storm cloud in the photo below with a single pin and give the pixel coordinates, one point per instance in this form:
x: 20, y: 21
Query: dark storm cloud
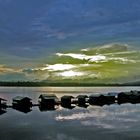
x: 33, y: 28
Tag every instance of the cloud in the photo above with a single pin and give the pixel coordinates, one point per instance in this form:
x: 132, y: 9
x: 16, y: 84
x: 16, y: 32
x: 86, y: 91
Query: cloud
x: 4, y: 69
x: 61, y: 71
x: 92, y: 64
x: 71, y: 73
x: 14, y: 77
x: 12, y: 74
x: 95, y: 58
x: 58, y: 67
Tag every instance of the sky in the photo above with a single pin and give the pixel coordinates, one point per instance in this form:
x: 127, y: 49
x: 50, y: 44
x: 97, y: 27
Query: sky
x: 32, y: 31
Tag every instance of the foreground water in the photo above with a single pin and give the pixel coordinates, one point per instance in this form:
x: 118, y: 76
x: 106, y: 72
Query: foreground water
x: 114, y: 122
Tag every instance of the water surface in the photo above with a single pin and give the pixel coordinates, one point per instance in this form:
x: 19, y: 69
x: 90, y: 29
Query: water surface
x: 109, y: 122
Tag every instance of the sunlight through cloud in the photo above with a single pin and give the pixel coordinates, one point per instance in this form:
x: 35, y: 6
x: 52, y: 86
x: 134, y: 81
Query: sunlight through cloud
x: 71, y: 73
x: 57, y: 67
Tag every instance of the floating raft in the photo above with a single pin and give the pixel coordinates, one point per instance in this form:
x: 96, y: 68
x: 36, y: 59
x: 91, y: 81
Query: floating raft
x: 51, y: 101
x: 2, y: 103
x: 48, y: 102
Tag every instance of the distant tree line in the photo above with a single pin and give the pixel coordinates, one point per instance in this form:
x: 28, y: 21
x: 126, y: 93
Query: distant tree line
x: 61, y: 84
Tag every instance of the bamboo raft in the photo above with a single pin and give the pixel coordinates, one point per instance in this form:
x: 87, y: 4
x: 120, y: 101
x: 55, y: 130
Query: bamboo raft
x: 52, y: 102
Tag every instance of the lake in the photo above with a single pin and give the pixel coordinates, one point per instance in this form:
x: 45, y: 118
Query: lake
x: 111, y: 122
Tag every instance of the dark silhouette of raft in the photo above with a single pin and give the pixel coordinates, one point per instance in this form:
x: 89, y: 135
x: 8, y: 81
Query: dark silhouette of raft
x: 51, y: 101
x: 3, y: 106
x: 67, y: 101
x: 82, y: 101
x: 22, y: 104
x: 48, y: 102
x: 129, y: 97
x: 22, y: 101
x: 3, y: 103
x: 22, y: 109
x: 101, y: 100
x: 2, y: 111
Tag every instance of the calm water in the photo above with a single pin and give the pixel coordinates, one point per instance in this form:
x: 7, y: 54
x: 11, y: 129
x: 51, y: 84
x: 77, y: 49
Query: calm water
x: 114, y: 122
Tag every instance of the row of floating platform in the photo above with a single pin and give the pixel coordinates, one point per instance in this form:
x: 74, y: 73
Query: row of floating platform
x: 51, y: 101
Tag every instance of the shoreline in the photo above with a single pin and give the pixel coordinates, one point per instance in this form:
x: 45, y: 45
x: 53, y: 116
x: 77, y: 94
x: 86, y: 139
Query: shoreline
x: 53, y: 84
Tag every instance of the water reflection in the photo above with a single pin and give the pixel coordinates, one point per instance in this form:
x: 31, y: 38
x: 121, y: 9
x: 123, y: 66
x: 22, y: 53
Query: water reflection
x: 53, y: 107
x: 47, y: 108
x: 83, y: 106
x: 3, y: 106
x: 68, y: 106
x: 2, y: 111
x: 22, y: 109
x: 93, y: 122
x: 114, y: 117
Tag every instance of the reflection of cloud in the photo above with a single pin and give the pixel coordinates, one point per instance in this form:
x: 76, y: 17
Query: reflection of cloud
x: 81, y: 116
x: 97, y: 124
x: 106, y: 117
